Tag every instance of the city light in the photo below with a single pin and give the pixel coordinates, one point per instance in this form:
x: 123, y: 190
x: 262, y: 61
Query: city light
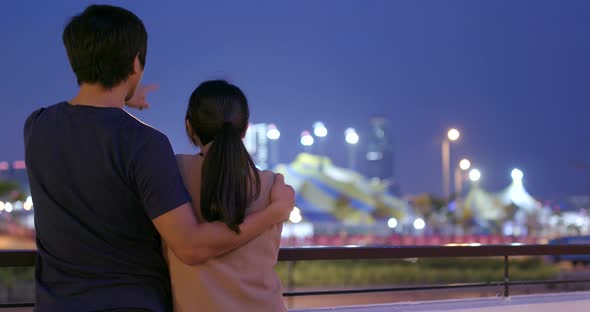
x: 419, y: 224
x: 517, y: 175
x: 19, y: 165
x: 464, y: 164
x: 392, y: 223
x: 28, y: 205
x: 273, y: 133
x: 453, y: 134
x: 372, y: 156
x: 320, y: 130
x: 474, y: 175
x: 306, y: 139
x: 8, y: 207
x: 1, y: 205
x: 351, y: 136
x: 295, y: 216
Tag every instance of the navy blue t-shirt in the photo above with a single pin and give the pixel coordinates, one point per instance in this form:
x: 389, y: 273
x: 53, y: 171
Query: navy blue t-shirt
x: 98, y: 177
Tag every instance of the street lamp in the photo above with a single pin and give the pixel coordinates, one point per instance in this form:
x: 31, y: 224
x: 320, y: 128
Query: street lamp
x: 474, y: 175
x: 306, y: 140
x: 320, y: 130
x: 452, y: 135
x: 352, y: 138
x: 464, y: 164
x: 273, y: 134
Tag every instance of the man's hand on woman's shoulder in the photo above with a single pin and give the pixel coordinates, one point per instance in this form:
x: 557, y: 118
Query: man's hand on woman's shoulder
x: 282, y: 198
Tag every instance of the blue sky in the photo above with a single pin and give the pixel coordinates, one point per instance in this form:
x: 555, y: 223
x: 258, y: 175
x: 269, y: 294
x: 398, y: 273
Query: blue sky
x: 511, y: 75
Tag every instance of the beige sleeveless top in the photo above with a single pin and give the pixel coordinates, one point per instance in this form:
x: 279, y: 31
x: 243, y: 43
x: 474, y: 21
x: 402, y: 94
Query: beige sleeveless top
x: 240, y: 280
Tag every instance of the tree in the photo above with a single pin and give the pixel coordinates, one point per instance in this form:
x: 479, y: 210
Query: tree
x: 8, y: 187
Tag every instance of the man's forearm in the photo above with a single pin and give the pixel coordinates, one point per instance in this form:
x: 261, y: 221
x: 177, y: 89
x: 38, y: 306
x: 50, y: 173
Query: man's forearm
x: 212, y: 239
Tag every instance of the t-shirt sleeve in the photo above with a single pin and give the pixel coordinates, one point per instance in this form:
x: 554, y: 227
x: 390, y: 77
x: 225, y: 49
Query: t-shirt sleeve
x: 29, y: 124
x: 157, y: 177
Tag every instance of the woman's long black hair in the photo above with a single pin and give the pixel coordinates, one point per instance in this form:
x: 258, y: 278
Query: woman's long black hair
x: 218, y: 114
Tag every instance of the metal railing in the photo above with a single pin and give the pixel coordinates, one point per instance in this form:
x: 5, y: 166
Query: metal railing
x: 22, y: 258
x: 388, y: 252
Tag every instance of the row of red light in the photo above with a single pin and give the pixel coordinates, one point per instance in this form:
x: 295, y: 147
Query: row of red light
x: 16, y: 165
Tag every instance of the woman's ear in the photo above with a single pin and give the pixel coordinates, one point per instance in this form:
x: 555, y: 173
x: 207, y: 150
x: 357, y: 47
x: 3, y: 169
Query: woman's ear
x: 189, y: 129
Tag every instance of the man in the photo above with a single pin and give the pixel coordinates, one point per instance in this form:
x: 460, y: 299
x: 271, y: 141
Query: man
x: 106, y: 186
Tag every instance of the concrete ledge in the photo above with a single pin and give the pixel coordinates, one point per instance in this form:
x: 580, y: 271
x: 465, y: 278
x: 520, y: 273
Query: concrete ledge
x: 565, y: 302
x: 561, y: 302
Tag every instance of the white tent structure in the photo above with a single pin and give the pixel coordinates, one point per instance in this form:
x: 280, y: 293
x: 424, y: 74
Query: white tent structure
x: 520, y: 212
x: 516, y: 194
x: 491, y: 206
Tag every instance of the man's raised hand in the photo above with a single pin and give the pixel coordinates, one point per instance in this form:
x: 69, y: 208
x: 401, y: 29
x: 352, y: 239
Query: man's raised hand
x: 139, y: 99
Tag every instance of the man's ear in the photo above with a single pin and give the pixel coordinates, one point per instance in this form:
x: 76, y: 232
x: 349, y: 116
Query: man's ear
x: 137, y: 68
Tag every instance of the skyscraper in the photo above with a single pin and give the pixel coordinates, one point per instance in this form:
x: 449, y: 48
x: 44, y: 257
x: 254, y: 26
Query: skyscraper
x: 256, y: 143
x: 380, y: 156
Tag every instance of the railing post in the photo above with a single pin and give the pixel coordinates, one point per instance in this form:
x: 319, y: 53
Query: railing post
x: 290, y: 281
x: 506, y: 278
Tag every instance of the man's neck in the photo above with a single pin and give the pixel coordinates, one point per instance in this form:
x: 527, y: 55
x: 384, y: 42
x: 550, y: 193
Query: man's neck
x: 96, y: 95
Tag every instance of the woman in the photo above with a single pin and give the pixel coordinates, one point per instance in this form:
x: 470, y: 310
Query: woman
x: 225, y: 186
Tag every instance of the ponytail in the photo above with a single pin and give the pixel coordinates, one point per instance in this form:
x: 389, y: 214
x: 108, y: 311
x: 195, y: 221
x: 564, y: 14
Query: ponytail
x: 230, y: 180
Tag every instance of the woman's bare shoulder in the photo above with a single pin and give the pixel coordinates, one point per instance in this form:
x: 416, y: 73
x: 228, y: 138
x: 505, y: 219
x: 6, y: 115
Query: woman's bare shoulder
x: 266, y: 175
x: 187, y: 165
x: 186, y: 159
x: 263, y: 199
x: 267, y: 178
x: 182, y: 157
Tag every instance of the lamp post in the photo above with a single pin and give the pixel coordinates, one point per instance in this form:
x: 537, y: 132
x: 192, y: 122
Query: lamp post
x: 452, y: 135
x: 320, y: 131
x: 352, y: 138
x: 464, y: 165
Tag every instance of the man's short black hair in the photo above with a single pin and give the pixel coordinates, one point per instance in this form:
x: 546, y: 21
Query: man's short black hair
x: 102, y: 43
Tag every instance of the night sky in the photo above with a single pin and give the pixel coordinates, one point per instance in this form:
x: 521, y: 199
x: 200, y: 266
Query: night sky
x: 513, y: 76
